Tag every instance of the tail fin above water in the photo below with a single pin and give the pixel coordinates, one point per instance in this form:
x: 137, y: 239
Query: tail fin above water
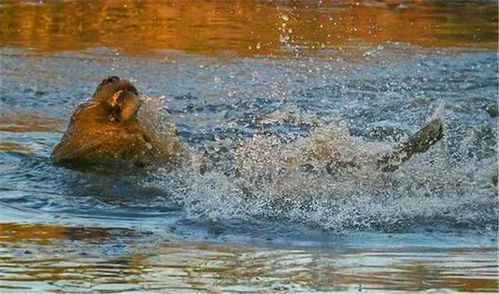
x: 419, y: 142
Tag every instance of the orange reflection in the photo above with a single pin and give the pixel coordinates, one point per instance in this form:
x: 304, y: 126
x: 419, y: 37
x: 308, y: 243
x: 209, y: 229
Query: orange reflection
x: 242, y: 27
x: 47, y: 234
x: 22, y: 121
x: 34, y: 255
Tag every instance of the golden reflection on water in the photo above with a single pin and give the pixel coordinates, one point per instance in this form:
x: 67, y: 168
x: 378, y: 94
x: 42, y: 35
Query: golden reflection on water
x: 243, y: 27
x: 55, y: 258
x: 16, y: 121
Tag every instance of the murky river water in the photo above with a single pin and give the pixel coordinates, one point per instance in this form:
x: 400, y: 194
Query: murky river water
x: 248, y: 84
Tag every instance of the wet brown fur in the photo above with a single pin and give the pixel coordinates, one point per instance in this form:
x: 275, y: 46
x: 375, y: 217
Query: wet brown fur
x: 105, y: 133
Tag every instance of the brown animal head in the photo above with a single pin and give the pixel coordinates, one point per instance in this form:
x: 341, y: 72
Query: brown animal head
x: 105, y: 134
x: 119, y: 98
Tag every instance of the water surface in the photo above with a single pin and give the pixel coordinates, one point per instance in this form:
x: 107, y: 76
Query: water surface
x: 249, y: 85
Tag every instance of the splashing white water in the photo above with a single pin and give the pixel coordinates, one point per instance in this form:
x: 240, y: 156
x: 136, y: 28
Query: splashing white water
x: 329, y: 180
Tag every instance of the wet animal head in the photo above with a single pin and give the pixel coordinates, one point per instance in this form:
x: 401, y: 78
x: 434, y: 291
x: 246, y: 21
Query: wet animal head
x: 105, y: 131
x: 119, y: 97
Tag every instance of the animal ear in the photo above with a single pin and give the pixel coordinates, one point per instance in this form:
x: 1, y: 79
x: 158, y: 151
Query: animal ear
x: 108, y: 80
x: 124, y: 105
x: 106, y: 87
x: 115, y: 99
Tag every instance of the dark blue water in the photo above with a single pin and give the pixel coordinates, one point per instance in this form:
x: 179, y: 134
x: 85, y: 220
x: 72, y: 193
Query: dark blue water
x: 252, y: 115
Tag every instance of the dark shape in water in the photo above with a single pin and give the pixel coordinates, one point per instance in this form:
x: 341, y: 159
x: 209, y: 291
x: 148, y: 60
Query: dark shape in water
x: 492, y: 110
x: 417, y: 143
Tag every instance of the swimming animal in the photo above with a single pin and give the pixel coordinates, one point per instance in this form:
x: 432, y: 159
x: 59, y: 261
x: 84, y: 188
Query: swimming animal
x: 105, y: 134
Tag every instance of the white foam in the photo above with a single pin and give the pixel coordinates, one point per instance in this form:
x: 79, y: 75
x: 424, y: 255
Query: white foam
x: 290, y: 182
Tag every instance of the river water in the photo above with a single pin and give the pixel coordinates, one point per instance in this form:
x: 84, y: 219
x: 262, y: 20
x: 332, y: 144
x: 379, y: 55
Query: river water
x: 248, y: 85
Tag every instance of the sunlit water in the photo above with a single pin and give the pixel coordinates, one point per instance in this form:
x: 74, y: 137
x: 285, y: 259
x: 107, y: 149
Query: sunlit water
x: 256, y: 222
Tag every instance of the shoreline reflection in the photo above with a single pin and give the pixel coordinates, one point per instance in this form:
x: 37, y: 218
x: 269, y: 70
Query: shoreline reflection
x: 244, y: 28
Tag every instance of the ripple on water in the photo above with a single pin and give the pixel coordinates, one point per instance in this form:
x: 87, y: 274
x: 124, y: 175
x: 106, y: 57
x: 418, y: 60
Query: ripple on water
x: 55, y: 258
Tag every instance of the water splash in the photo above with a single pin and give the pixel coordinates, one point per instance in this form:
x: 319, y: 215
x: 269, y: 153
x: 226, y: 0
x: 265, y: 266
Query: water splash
x: 329, y: 180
